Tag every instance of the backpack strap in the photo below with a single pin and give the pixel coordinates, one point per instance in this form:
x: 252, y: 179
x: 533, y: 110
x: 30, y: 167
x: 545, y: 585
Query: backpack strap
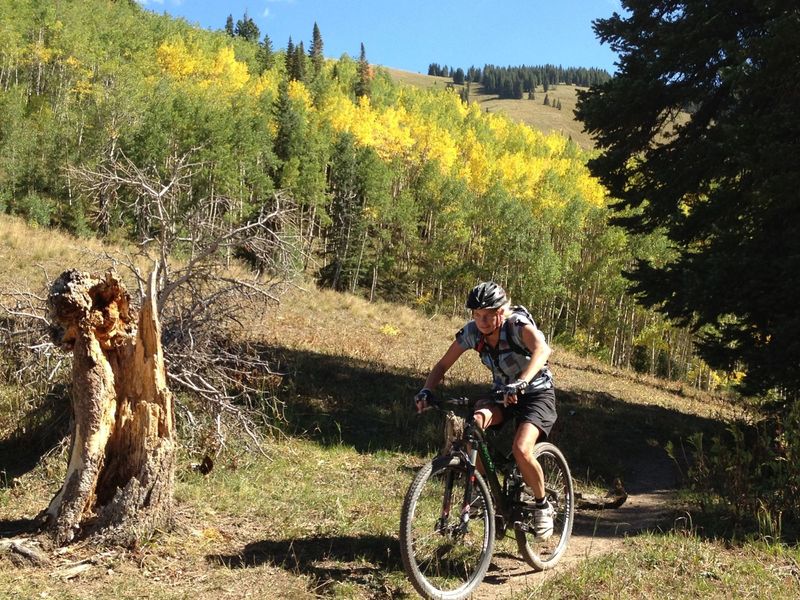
x: 510, y: 339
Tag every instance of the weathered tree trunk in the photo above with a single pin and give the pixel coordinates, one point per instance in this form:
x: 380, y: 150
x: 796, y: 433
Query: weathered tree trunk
x: 121, y: 469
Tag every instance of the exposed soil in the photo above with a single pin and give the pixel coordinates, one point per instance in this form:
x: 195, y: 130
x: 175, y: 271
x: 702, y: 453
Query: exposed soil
x: 648, y: 507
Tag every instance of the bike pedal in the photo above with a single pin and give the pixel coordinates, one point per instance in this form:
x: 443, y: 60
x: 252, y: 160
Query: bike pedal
x: 520, y: 526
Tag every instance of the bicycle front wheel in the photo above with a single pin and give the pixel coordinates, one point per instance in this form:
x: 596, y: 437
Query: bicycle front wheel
x: 444, y: 557
x: 559, y: 492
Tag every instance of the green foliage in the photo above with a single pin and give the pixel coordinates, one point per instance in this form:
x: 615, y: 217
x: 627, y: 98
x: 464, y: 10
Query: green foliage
x: 36, y: 209
x: 364, y: 75
x: 246, y: 28
x: 704, y: 150
x: 395, y: 192
x: 316, y: 50
x: 752, y: 473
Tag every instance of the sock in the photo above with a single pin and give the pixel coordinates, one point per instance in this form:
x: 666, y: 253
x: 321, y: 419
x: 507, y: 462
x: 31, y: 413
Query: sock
x: 540, y: 502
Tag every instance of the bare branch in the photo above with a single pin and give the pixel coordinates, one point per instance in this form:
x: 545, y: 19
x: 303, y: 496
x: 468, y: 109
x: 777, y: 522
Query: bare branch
x: 203, y: 298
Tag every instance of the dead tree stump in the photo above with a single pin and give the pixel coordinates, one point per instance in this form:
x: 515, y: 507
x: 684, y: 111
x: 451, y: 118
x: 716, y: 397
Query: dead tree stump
x: 120, y: 477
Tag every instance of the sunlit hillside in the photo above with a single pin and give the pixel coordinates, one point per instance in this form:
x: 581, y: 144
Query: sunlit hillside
x: 531, y: 112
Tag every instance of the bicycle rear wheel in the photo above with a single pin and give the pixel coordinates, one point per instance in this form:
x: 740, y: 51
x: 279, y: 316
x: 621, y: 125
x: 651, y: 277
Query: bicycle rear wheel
x: 558, y: 489
x: 442, y: 559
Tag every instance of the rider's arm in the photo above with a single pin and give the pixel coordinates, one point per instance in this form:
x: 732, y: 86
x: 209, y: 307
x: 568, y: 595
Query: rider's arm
x: 437, y: 374
x: 539, y: 349
x: 440, y: 368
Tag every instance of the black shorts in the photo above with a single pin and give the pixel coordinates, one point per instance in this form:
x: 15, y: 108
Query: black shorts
x: 536, y: 407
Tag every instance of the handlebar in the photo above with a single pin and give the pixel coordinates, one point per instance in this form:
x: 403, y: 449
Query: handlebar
x: 496, y: 397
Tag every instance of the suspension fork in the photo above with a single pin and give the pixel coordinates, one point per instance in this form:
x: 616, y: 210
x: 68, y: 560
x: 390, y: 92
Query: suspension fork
x: 447, y: 501
x: 478, y: 446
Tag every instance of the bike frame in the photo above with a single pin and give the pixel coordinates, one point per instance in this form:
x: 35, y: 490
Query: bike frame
x: 475, y: 437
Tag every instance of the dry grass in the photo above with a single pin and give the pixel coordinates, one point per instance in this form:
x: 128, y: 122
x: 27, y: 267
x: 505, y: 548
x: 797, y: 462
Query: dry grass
x: 531, y: 112
x: 319, y: 517
x: 32, y: 256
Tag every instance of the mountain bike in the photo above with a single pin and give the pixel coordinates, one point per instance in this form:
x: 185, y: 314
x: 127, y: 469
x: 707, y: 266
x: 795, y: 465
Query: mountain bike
x: 452, y: 514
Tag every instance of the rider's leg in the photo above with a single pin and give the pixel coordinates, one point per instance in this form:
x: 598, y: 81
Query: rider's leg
x: 524, y: 441
x: 485, y: 416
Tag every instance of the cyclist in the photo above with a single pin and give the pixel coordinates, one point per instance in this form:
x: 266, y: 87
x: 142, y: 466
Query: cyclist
x: 510, y: 344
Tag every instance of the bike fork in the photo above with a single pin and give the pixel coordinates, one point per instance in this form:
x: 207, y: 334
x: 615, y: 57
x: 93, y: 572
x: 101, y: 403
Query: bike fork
x: 441, y: 524
x: 469, y: 488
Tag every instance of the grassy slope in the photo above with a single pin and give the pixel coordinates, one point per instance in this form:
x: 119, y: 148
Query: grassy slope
x: 531, y: 112
x: 319, y: 516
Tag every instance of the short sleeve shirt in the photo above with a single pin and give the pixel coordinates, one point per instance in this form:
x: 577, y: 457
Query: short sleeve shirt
x: 505, y: 363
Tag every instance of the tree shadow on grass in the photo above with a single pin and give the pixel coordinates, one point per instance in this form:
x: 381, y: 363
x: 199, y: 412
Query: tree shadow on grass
x: 365, y: 560
x: 14, y: 527
x: 38, y: 433
x: 368, y: 406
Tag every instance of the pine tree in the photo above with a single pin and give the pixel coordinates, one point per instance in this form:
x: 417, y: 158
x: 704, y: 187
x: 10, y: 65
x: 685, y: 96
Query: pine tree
x: 290, y: 60
x: 247, y: 29
x: 299, y: 62
x: 265, y: 55
x: 722, y: 185
x: 364, y: 74
x: 546, y: 100
x: 229, y: 26
x: 315, y: 52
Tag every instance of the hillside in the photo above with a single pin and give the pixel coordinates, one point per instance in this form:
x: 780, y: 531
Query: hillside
x: 531, y: 112
x: 318, y: 515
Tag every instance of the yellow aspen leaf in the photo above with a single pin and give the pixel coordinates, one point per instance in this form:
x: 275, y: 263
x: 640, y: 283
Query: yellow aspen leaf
x: 175, y: 60
x: 298, y: 92
x: 227, y: 71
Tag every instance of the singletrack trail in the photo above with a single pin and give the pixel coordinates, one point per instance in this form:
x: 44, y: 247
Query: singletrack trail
x: 650, y: 488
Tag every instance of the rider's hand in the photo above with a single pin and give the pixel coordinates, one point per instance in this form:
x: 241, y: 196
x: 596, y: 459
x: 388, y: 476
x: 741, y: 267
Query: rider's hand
x: 421, y: 399
x: 511, y: 391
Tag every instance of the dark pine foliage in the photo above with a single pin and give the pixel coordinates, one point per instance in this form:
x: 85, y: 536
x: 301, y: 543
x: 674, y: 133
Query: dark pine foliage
x: 700, y: 136
x: 512, y: 82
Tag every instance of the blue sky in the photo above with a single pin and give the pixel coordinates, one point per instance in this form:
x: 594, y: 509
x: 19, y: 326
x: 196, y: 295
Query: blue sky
x: 411, y: 34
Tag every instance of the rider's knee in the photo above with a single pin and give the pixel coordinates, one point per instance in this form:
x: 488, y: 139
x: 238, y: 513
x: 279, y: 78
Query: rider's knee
x: 523, y: 450
x: 483, y: 417
x: 520, y: 450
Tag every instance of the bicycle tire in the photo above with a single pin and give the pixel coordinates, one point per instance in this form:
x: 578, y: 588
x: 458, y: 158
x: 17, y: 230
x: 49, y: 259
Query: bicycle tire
x: 559, y: 491
x: 441, y: 563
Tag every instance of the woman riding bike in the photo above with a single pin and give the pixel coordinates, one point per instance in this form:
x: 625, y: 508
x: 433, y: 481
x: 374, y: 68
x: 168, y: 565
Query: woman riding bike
x: 513, y: 348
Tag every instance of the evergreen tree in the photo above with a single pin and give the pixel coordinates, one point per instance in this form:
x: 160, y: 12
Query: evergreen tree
x: 229, y: 26
x: 290, y: 60
x: 722, y: 184
x: 247, y: 29
x: 315, y: 52
x: 265, y: 55
x: 546, y: 100
x: 364, y: 74
x: 516, y: 91
x: 299, y: 63
x: 458, y: 76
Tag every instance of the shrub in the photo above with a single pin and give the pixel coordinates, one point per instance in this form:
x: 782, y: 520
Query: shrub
x: 36, y: 209
x: 753, y: 472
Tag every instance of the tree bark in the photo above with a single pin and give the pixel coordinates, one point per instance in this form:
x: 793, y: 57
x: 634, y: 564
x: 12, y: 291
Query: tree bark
x: 120, y: 478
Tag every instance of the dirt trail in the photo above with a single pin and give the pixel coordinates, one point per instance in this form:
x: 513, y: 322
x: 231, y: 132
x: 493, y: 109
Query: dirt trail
x: 651, y: 487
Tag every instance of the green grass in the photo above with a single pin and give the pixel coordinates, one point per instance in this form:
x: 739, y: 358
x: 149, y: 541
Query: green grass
x: 680, y: 566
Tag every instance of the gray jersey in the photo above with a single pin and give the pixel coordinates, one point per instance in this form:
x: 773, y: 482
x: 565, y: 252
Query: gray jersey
x: 505, y: 363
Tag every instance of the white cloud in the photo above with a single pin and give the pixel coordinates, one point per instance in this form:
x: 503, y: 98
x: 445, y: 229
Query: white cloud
x: 265, y: 14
